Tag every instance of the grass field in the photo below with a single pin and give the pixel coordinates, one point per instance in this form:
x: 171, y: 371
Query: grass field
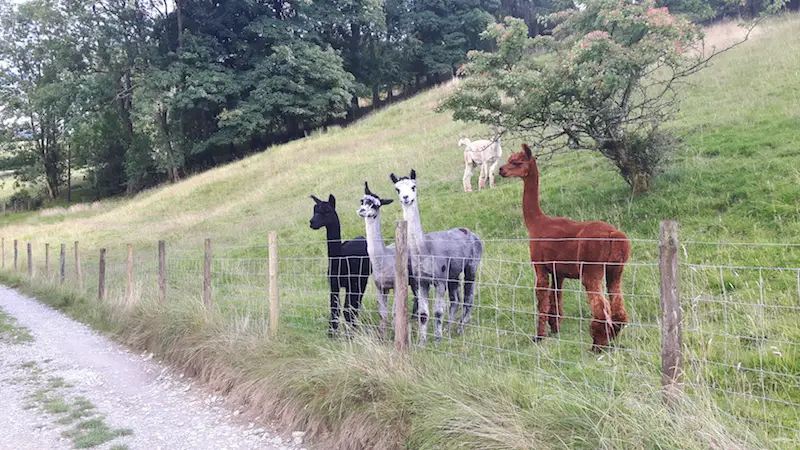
x: 737, y: 179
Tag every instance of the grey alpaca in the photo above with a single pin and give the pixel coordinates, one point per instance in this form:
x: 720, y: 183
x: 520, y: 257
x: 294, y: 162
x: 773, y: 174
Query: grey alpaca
x: 438, y: 258
x: 381, y: 256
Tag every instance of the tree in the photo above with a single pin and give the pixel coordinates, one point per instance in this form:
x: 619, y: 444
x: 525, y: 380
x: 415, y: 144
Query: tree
x: 610, y: 75
x: 531, y: 11
x: 299, y: 87
x: 139, y: 92
x: 442, y: 31
x: 38, y: 54
x: 354, y: 28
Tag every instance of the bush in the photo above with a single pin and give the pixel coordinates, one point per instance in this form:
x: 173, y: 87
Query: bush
x: 641, y: 156
x: 24, y: 199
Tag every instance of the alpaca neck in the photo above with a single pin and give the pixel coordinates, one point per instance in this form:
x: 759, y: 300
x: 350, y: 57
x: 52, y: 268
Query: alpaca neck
x: 334, y: 231
x: 531, y: 208
x: 416, y: 237
x: 375, y: 245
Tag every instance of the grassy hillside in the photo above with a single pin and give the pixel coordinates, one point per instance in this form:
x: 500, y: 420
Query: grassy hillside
x: 737, y: 179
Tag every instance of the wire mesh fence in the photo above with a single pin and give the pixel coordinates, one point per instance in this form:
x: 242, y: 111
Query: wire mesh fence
x: 740, y: 323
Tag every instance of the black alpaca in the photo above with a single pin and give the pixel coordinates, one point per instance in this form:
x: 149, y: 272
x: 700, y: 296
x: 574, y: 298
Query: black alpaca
x: 348, y: 263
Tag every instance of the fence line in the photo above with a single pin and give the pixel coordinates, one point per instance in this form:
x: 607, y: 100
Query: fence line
x: 727, y: 328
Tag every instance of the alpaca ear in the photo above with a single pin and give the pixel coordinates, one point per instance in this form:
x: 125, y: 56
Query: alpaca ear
x: 316, y: 200
x: 332, y: 201
x: 366, y: 189
x: 527, y: 150
x: 386, y: 202
x: 413, y: 174
x: 393, y: 178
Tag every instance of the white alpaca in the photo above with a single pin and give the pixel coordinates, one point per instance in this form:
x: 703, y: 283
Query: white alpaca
x: 485, y: 153
x: 438, y: 258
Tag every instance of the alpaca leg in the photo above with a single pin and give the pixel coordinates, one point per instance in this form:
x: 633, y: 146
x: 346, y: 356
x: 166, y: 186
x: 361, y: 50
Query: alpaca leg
x: 452, y: 291
x: 335, y: 310
x: 349, y: 308
x: 619, y: 316
x: 424, y: 314
x: 492, y: 171
x: 415, y: 303
x: 542, y: 301
x: 601, y: 328
x: 556, y: 305
x: 467, y: 179
x: 482, y: 177
x: 358, y: 282
x: 469, y: 296
x: 438, y: 309
x: 383, y: 311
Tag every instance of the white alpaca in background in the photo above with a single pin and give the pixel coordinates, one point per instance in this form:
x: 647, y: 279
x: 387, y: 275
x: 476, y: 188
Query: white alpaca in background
x: 485, y: 153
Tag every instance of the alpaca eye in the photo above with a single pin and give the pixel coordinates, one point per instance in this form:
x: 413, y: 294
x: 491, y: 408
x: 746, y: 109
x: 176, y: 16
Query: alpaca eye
x: 414, y: 188
x: 398, y: 190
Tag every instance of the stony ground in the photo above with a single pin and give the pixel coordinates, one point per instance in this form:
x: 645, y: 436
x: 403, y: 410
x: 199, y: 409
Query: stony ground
x: 70, y: 387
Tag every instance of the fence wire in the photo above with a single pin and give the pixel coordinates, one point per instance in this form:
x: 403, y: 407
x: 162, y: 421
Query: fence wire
x: 740, y: 321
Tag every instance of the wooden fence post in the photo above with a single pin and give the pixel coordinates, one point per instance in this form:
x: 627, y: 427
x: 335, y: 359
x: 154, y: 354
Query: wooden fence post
x: 30, y: 259
x: 672, y: 339
x: 207, y: 275
x: 4, y: 252
x: 46, y: 260
x: 78, y: 271
x: 62, y: 262
x: 101, y: 277
x: 274, y: 301
x: 16, y: 254
x: 401, y: 287
x: 129, y: 273
x: 162, y: 270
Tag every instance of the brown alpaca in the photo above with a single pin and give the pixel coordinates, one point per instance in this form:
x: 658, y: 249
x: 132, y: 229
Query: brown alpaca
x: 588, y: 251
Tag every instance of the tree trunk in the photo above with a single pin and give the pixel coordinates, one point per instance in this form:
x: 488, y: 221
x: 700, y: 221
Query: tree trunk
x: 641, y: 182
x: 376, y: 97
x: 52, y: 188
x: 355, y: 45
x: 638, y: 178
x: 172, y: 172
x: 51, y: 169
x: 179, y: 15
x: 69, y: 174
x: 354, y: 108
x: 47, y: 147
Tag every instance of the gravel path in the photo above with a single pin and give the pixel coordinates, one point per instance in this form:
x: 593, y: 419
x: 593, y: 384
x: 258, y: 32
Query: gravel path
x: 68, y: 360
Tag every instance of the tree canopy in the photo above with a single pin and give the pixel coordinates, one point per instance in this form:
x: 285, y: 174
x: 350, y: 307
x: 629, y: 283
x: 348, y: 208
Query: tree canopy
x: 137, y: 92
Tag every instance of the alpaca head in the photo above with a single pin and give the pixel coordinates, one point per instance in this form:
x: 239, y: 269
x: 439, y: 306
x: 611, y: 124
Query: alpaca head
x: 406, y: 188
x: 519, y: 164
x: 324, y: 212
x: 371, y: 203
x: 463, y: 140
